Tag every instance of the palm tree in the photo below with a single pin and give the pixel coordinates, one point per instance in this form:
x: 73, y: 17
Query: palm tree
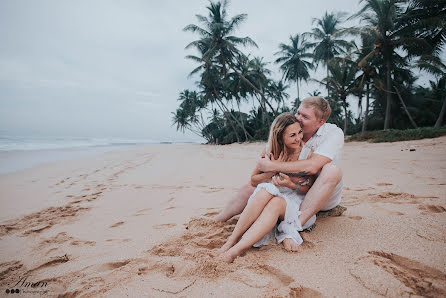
x: 426, y: 19
x: 343, y: 81
x: 294, y: 66
x: 436, y: 67
x: 255, y: 71
x: 384, y: 19
x: 328, y: 42
x: 216, y: 41
x: 215, y: 87
x: 276, y: 90
x: 439, y: 90
x: 369, y: 73
x: 188, y: 115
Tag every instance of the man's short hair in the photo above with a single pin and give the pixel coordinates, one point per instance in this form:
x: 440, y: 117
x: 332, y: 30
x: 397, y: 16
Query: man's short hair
x: 321, y: 106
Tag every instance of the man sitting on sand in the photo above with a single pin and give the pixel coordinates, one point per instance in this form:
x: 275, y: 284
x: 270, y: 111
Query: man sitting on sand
x: 326, y: 140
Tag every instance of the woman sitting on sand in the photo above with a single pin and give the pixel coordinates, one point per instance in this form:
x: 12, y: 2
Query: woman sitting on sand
x: 276, y: 197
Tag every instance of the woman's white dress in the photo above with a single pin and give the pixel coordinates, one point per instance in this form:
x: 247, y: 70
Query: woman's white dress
x: 290, y: 226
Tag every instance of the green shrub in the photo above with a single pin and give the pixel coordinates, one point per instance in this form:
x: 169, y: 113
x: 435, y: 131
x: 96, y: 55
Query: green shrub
x: 396, y: 135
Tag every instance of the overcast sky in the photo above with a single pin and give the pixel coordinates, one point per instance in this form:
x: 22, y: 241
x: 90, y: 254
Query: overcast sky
x: 115, y: 68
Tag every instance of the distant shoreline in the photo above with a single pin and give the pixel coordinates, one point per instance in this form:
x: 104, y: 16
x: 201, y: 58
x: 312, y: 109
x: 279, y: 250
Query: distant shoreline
x: 17, y: 160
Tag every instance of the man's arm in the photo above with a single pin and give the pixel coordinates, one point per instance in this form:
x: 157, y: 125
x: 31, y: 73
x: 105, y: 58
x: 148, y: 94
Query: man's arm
x: 304, y: 167
x: 258, y: 176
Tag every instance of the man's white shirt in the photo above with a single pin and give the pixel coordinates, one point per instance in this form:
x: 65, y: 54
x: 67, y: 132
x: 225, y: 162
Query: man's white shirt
x: 328, y: 141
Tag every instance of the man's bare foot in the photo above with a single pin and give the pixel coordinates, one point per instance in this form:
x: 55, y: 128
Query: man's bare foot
x: 336, y: 211
x: 290, y: 245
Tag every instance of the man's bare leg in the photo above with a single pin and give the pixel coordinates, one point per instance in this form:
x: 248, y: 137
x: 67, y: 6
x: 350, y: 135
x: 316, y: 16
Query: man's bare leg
x: 236, y: 205
x: 249, y: 215
x: 265, y: 222
x: 319, y: 194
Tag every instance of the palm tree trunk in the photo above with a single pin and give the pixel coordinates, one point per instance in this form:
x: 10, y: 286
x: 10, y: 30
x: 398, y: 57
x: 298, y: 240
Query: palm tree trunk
x: 328, y: 92
x: 232, y: 116
x: 344, y: 103
x: 366, y: 114
x: 253, y: 87
x: 265, y: 112
x: 241, y: 121
x: 389, y: 96
x: 405, y: 108
x: 297, y: 83
x: 440, y: 118
x: 225, y: 114
x: 359, y: 106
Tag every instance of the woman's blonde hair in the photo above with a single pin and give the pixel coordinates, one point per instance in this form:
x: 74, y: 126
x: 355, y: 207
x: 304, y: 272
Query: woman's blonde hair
x: 275, y: 140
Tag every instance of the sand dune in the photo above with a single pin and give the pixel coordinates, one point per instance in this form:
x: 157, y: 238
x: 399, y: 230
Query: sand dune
x: 130, y: 222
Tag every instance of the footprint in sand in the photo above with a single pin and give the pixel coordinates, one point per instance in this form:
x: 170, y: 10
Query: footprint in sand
x: 432, y: 233
x: 304, y: 292
x: 432, y: 208
x: 162, y: 226
x: 142, y: 212
x: 52, y: 262
x: 398, y: 275
x: 210, y: 214
x: 9, y: 268
x: 143, y: 270
x: 39, y: 221
x: 363, y: 189
x: 117, y: 224
x: 355, y: 217
x: 83, y: 242
x: 119, y: 240
x: 213, y: 189
x: 113, y: 265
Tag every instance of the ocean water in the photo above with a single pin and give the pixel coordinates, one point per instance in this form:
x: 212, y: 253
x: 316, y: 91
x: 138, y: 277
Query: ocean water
x: 18, y: 152
x: 13, y: 143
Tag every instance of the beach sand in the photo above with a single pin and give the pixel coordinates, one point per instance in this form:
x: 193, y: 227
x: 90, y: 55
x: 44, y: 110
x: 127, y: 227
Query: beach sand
x: 128, y: 223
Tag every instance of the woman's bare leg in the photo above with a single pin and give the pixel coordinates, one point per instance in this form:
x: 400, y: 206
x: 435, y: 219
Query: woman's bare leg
x: 248, y: 216
x: 274, y: 210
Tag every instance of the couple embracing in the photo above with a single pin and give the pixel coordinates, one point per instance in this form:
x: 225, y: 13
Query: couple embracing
x: 296, y: 176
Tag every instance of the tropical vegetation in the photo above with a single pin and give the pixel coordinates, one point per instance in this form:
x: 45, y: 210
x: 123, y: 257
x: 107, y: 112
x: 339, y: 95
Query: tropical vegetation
x: 374, y: 65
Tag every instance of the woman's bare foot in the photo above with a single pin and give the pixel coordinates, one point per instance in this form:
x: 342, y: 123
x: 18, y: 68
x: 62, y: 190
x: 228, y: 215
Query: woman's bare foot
x: 227, y: 257
x: 290, y: 245
x: 226, y: 246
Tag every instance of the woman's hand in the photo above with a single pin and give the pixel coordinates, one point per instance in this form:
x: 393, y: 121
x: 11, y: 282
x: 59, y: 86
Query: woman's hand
x: 283, y: 180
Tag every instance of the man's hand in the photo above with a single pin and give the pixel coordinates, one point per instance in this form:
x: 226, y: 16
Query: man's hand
x: 283, y: 180
x: 298, y: 179
x: 265, y: 164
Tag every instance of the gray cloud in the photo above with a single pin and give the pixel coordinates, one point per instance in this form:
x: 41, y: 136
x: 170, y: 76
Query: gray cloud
x: 115, y: 68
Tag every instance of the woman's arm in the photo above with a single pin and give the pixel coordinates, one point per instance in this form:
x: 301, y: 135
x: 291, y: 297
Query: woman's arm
x: 258, y: 176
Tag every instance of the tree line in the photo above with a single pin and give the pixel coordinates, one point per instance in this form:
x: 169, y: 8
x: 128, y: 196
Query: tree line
x: 375, y: 63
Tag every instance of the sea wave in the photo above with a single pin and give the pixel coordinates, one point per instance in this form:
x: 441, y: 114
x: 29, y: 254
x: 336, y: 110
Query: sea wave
x: 13, y: 143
